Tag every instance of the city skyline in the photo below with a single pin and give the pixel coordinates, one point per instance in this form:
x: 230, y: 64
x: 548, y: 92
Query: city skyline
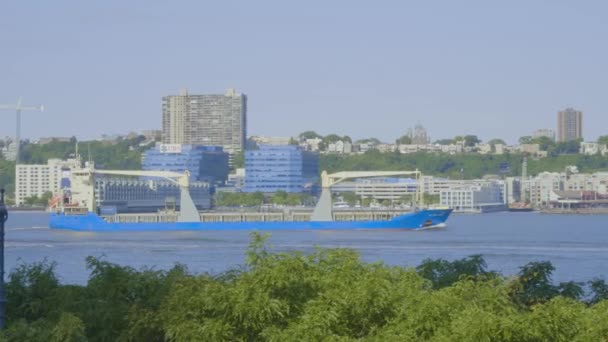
x: 456, y: 68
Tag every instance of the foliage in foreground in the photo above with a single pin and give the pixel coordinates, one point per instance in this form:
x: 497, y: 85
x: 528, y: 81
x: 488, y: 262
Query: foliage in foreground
x: 328, y: 295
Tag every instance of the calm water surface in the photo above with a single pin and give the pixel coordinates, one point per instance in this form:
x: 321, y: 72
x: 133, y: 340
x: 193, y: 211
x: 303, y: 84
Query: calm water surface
x: 577, y: 245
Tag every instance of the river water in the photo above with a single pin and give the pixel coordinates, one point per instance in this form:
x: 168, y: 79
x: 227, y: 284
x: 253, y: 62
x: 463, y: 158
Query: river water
x: 576, y: 245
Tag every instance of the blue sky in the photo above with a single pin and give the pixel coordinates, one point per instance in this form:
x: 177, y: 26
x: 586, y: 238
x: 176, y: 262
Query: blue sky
x: 367, y: 69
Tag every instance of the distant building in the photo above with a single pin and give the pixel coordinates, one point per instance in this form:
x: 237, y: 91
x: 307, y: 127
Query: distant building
x: 152, y: 134
x: 569, y: 125
x: 544, y: 132
x: 138, y: 196
x: 236, y: 180
x: 280, y: 168
x: 205, y: 163
x: 419, y: 135
x: 381, y: 188
x: 260, y: 140
x: 212, y: 120
x: 36, y: 179
x: 593, y: 148
x: 474, y: 198
x: 512, y: 190
x: 340, y: 147
x: 543, y: 186
x: 9, y: 152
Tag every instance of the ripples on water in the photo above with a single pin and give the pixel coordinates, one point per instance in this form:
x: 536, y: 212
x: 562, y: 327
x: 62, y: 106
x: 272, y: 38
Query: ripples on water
x: 577, y: 245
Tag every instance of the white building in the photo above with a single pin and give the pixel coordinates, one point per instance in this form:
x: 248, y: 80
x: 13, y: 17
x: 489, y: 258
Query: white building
x: 263, y: 140
x: 543, y: 186
x: 593, y: 148
x: 36, y: 179
x: 311, y: 144
x: 597, y: 182
x: 474, y: 198
x: 340, y: 147
x: 9, y: 152
x: 378, y: 188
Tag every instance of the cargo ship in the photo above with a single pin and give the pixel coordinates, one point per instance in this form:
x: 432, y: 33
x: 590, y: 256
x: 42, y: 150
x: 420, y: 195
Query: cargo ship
x: 78, y: 210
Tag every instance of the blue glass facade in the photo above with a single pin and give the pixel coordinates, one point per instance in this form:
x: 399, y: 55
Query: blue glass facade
x: 205, y: 163
x: 274, y: 168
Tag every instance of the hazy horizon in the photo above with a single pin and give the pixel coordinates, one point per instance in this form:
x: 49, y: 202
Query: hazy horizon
x: 496, y: 70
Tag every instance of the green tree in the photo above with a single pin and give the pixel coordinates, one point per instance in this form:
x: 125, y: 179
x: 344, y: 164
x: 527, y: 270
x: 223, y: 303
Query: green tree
x: 603, y: 140
x: 471, y: 140
x: 533, y: 284
x: 279, y: 197
x: 445, y: 142
x: 350, y: 197
x: 544, y: 143
x: 309, y: 135
x: 69, y: 329
x: 443, y: 273
x: 403, y: 140
x: 494, y: 142
x: 239, y: 160
x: 525, y: 140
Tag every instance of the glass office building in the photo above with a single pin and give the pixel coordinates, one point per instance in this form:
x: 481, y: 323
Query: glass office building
x: 205, y: 163
x: 274, y: 168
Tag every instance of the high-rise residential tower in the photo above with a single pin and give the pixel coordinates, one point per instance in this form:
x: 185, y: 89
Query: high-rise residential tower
x: 212, y: 120
x: 569, y: 125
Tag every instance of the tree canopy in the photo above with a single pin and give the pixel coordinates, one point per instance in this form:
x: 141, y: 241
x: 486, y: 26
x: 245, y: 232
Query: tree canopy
x: 327, y: 294
x: 404, y: 140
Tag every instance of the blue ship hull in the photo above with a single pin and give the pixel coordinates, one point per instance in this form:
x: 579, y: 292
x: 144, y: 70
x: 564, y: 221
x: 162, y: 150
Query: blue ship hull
x: 91, y: 222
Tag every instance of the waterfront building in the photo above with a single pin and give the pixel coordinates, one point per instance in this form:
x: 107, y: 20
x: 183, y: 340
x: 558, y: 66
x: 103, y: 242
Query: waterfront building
x: 474, y: 198
x: 36, y: 179
x: 205, y: 163
x: 212, y: 120
x: 512, y: 190
x: 129, y: 195
x: 543, y: 186
x: 569, y: 125
x: 544, y: 132
x: 280, y: 168
x: 380, y: 188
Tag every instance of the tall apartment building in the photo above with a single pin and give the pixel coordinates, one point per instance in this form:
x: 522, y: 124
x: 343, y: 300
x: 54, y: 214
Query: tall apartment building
x: 569, y: 125
x: 211, y: 120
x: 36, y: 179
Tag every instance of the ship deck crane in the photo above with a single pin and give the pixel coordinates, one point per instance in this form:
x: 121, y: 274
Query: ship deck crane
x: 19, y: 107
x: 83, y: 188
x: 323, y: 210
